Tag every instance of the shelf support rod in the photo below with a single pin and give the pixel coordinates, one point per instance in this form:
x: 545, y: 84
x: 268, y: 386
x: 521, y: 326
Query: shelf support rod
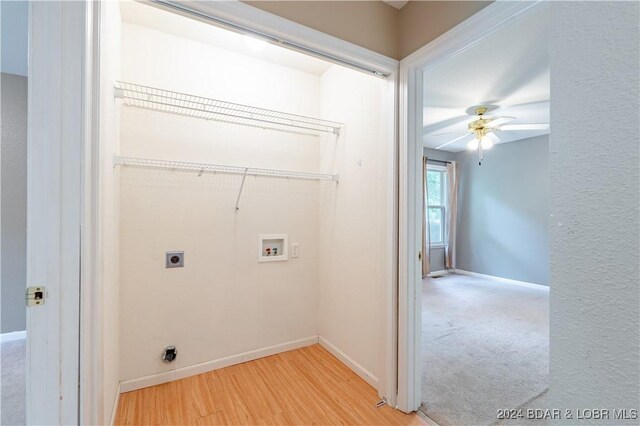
x: 244, y: 176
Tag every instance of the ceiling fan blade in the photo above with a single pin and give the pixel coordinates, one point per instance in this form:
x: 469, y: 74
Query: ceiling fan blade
x: 499, y: 121
x: 540, y: 126
x: 493, y: 137
x: 454, y: 140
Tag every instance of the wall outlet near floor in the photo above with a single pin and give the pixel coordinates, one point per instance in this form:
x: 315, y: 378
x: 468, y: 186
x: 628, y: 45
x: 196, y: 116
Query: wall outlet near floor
x: 295, y: 249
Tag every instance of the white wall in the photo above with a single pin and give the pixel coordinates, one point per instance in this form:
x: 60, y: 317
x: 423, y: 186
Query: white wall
x: 108, y: 251
x: 13, y: 242
x: 354, y: 248
x: 594, y: 239
x: 223, y: 302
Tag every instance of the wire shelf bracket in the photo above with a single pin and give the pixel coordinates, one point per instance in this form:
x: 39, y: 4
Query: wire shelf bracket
x: 244, y: 177
x: 185, y: 104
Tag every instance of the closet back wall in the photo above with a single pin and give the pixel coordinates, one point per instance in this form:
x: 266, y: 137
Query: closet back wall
x: 223, y: 302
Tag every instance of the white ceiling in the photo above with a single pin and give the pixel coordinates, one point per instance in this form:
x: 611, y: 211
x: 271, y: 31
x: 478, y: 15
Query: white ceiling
x: 397, y: 4
x: 509, y: 69
x: 152, y: 17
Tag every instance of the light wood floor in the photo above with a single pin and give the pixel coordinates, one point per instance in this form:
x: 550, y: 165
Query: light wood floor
x: 301, y: 387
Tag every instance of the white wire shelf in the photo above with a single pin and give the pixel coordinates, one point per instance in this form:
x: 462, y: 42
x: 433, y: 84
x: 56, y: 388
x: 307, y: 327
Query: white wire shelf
x: 216, y: 168
x: 168, y: 101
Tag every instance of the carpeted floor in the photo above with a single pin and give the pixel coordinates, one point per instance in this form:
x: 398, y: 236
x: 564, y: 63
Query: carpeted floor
x: 485, y: 347
x: 12, y: 386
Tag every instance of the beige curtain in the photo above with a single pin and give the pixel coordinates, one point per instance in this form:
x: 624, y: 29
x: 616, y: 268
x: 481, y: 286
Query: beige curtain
x: 426, y: 242
x: 452, y: 215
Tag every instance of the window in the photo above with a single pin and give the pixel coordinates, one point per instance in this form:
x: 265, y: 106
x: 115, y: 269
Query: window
x: 436, y: 194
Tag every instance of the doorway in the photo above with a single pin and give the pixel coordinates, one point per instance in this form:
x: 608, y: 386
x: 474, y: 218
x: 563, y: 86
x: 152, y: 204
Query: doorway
x: 477, y: 330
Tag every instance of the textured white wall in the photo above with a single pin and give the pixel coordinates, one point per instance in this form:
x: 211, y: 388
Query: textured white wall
x: 13, y: 240
x: 595, y: 296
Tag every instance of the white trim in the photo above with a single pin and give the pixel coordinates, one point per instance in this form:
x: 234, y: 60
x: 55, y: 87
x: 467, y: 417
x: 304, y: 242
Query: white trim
x: 460, y: 38
x: 204, y: 367
x: 281, y: 29
x: 13, y: 336
x: 114, y: 409
x: 349, y: 362
x: 503, y: 280
x: 91, y: 324
x: 388, y: 316
x: 56, y: 137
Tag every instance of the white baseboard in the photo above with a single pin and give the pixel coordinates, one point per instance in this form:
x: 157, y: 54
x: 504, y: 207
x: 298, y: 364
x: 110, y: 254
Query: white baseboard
x: 14, y: 335
x: 438, y: 273
x: 114, y: 410
x: 357, y: 368
x: 503, y: 280
x: 192, y: 370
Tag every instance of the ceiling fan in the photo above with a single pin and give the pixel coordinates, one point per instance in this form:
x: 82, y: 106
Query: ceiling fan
x: 484, y: 129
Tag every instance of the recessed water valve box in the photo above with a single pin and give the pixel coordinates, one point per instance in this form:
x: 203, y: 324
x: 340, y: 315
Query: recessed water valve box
x: 174, y: 259
x: 273, y: 247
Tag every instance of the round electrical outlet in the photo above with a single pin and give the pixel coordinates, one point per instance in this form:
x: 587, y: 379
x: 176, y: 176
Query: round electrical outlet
x: 169, y: 354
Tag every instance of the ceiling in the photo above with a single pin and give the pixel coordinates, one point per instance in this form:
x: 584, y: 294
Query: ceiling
x: 171, y: 23
x: 509, y: 69
x: 397, y: 4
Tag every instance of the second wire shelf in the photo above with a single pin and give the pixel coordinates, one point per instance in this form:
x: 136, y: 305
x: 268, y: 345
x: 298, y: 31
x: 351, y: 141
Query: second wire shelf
x: 217, y: 168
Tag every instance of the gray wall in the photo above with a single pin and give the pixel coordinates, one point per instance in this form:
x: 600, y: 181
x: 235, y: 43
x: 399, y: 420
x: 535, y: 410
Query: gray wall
x: 13, y: 241
x: 436, y: 255
x: 595, y: 215
x: 15, y: 36
x: 503, y: 213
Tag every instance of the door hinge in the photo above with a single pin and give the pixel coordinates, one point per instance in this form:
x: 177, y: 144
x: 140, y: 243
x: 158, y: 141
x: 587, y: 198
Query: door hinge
x: 35, y: 296
x: 420, y: 256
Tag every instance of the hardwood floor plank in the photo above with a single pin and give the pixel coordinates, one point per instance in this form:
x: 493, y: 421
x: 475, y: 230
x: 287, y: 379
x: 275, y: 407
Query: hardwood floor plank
x: 307, y: 386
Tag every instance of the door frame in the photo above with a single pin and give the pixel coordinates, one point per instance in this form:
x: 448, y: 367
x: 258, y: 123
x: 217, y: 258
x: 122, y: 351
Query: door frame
x: 466, y: 35
x: 58, y: 99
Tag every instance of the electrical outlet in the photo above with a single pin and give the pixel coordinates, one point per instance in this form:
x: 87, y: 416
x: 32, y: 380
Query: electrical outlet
x: 174, y: 259
x: 295, y: 249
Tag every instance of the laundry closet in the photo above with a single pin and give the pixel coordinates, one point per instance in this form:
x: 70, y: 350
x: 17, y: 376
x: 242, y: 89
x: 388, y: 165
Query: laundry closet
x: 245, y: 194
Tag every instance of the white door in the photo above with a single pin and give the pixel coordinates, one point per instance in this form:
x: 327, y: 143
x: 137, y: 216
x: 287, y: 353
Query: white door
x: 55, y: 140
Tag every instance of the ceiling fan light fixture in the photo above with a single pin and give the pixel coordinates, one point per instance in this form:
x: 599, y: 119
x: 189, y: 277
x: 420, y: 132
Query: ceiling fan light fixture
x: 486, y: 143
x: 473, y: 145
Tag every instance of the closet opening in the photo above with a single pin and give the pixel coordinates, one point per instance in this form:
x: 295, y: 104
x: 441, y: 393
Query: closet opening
x: 262, y: 171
